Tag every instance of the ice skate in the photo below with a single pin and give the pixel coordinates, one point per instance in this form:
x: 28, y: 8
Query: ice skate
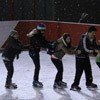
x: 57, y: 85
x: 37, y: 84
x: 92, y: 86
x: 75, y: 88
x: 63, y: 84
x: 10, y: 86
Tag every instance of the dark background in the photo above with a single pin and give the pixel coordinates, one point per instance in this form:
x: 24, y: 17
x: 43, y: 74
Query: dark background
x: 55, y: 10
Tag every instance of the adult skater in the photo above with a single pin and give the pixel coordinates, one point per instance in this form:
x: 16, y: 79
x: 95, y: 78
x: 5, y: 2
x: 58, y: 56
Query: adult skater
x: 86, y: 46
x: 37, y: 40
x: 63, y: 46
x: 12, y: 49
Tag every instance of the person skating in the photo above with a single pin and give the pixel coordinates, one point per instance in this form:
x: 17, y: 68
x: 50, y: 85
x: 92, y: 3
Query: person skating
x: 63, y: 46
x: 86, y: 46
x: 37, y: 41
x: 12, y: 49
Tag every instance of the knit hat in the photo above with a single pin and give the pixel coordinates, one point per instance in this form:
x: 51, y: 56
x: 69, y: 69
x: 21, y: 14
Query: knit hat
x: 41, y: 26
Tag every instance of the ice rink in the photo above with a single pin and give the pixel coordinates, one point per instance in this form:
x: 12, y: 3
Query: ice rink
x: 23, y: 77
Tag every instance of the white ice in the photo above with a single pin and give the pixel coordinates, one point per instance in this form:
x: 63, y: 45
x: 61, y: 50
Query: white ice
x: 23, y: 77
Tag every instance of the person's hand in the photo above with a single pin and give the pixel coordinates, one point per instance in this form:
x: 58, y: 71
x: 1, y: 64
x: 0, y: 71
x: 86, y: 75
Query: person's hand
x: 97, y: 51
x: 78, y: 52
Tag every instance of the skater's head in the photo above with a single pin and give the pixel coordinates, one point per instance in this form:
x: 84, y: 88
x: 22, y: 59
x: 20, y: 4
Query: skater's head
x: 14, y: 34
x: 92, y: 32
x: 67, y: 37
x: 41, y: 28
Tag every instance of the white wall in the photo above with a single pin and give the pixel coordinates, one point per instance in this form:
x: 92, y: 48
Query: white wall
x: 5, y: 28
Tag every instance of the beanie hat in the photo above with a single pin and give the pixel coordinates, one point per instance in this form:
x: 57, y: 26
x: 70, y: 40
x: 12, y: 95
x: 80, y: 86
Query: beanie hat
x: 41, y: 26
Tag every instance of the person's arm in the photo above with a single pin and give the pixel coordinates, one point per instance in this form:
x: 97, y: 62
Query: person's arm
x: 85, y: 46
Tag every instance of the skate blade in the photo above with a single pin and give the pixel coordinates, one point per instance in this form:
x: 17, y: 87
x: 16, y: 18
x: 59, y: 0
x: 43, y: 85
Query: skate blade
x: 78, y: 90
x: 11, y: 88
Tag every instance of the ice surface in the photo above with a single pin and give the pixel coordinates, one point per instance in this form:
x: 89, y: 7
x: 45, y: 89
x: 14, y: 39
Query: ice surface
x: 23, y: 77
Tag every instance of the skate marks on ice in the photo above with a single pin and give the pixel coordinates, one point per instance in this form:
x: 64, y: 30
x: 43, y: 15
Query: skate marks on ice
x: 9, y: 95
x: 63, y: 93
x: 95, y: 94
x: 39, y: 95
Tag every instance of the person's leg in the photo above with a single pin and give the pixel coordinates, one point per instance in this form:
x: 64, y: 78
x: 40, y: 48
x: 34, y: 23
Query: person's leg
x: 79, y: 71
x: 78, y: 74
x: 10, y: 71
x: 88, y: 74
x: 36, y: 60
x: 59, y: 76
x: 59, y: 66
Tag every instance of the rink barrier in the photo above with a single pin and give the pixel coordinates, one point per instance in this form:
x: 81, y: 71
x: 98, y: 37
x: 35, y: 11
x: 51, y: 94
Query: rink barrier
x: 54, y: 29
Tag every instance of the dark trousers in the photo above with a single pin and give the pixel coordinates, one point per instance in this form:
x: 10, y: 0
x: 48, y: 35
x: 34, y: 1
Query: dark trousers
x: 10, y: 70
x: 59, y: 65
x: 36, y: 60
x: 83, y: 64
x: 98, y: 63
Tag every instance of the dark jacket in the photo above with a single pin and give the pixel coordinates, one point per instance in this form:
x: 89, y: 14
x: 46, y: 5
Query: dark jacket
x: 37, y: 41
x: 86, y: 46
x: 12, y: 48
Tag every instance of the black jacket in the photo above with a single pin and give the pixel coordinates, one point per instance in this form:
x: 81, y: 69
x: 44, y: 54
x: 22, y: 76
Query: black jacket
x: 12, y: 48
x: 37, y: 41
x: 86, y: 46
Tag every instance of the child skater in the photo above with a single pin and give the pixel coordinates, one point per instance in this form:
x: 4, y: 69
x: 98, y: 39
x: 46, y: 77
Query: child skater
x: 63, y: 46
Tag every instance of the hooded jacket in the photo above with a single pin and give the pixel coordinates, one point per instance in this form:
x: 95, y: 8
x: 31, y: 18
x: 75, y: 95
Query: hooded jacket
x: 12, y: 48
x: 62, y: 47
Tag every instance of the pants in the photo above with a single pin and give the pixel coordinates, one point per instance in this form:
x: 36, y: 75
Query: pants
x: 36, y: 60
x: 98, y: 63
x: 10, y: 69
x: 83, y: 64
x: 59, y: 65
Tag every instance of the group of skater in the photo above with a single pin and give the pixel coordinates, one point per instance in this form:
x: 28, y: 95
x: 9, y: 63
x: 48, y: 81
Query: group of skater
x: 56, y: 49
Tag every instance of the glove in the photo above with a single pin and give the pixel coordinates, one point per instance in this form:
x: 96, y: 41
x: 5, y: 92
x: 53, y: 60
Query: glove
x: 50, y: 51
x: 53, y: 45
x: 78, y: 51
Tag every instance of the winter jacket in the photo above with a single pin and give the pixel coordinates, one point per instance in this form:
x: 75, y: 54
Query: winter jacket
x: 12, y: 48
x: 37, y: 40
x: 86, y: 46
x: 62, y: 47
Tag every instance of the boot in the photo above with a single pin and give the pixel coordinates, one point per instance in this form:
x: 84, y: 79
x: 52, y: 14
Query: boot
x: 37, y: 84
x: 64, y: 84
x: 75, y: 88
x: 10, y: 86
x: 57, y: 85
x: 92, y: 85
